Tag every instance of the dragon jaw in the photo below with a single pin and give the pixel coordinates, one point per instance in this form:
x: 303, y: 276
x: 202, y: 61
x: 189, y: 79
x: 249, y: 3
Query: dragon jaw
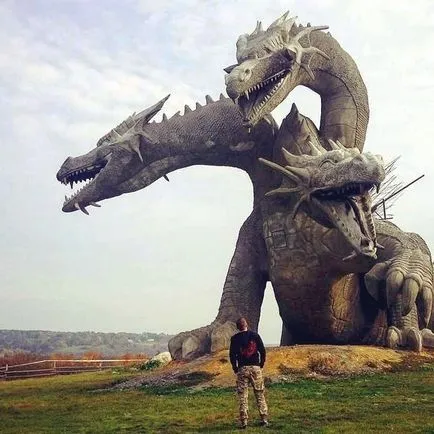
x: 270, y: 65
x: 101, y: 172
x: 117, y: 160
x: 334, y: 189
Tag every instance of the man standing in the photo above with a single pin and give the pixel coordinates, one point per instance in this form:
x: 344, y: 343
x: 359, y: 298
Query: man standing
x: 247, y: 355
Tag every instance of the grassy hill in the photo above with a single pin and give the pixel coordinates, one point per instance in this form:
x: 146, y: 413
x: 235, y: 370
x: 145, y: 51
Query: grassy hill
x: 78, y: 343
x: 399, y: 399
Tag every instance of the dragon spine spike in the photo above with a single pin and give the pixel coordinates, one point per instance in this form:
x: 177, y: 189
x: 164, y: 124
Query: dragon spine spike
x: 178, y: 113
x: 198, y: 105
x: 164, y: 117
x: 258, y: 29
x: 150, y: 112
x: 208, y: 99
x: 287, y: 26
x: 279, y: 21
x: 187, y: 109
x: 221, y: 97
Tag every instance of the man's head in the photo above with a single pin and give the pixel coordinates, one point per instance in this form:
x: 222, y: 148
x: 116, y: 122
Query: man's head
x: 242, y: 324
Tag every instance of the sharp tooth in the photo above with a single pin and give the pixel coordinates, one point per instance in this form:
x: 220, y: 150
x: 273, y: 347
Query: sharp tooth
x: 166, y: 178
x: 97, y: 205
x: 246, y: 93
x: 71, y: 183
x: 66, y: 198
x: 378, y: 188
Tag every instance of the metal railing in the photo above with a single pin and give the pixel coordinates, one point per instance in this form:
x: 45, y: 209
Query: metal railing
x: 49, y: 367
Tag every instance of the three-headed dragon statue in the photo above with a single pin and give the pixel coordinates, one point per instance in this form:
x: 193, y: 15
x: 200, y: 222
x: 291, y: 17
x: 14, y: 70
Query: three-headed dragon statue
x: 339, y: 275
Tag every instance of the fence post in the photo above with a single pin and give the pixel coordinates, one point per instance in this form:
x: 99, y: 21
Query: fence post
x: 54, y: 366
x: 6, y: 371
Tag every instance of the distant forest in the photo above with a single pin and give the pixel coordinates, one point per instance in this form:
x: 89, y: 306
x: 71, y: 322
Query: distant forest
x: 78, y: 343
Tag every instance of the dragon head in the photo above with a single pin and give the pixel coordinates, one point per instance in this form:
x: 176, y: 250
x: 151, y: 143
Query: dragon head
x: 114, y: 161
x: 270, y: 65
x: 334, y: 187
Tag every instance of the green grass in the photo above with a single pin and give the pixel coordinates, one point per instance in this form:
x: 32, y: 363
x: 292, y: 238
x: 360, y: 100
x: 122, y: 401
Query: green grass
x: 399, y: 402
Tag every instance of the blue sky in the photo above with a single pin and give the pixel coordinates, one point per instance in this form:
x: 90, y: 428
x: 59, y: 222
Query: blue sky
x: 72, y: 70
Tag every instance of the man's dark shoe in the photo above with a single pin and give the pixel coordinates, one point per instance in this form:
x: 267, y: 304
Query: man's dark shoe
x: 243, y: 426
x: 264, y: 422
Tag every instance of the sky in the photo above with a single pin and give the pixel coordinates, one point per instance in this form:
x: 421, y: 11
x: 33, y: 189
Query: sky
x: 155, y: 260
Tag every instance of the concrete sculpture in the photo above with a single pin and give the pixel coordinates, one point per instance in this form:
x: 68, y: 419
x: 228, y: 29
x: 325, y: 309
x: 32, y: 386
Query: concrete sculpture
x: 339, y: 275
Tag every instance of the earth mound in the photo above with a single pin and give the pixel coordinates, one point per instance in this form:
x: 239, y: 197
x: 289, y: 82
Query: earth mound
x: 284, y: 364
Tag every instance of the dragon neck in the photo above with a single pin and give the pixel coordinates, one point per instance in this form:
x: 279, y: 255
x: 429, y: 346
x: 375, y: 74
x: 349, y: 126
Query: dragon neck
x: 344, y: 98
x: 212, y: 135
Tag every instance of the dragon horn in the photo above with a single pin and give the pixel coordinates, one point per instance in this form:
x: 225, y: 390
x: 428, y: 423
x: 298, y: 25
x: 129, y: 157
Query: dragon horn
x: 295, y: 160
x: 316, y: 150
x: 282, y: 191
x: 316, y: 50
x: 308, y: 70
x: 307, y: 31
x: 150, y: 112
x: 334, y: 145
x: 291, y: 159
x: 296, y: 174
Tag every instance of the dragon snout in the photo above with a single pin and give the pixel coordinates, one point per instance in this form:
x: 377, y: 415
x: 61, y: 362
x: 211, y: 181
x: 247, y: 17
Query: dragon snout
x: 63, y: 168
x: 233, y: 81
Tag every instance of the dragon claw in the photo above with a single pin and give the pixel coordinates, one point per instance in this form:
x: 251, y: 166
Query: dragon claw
x: 410, y: 292
x: 411, y: 338
x: 393, y: 284
x: 394, y: 337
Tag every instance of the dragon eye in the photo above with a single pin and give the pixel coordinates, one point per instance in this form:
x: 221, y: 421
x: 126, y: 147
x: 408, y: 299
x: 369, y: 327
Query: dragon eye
x: 327, y: 161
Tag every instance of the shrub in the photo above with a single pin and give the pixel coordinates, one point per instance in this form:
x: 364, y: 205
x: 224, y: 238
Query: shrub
x: 150, y: 365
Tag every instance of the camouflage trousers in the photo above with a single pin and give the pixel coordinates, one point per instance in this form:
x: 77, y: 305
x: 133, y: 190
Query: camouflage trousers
x: 251, y: 375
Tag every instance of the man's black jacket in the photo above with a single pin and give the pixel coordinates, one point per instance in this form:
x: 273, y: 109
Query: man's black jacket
x: 247, y: 349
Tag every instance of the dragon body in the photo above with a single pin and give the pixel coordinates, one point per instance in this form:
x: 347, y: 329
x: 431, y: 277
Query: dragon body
x: 338, y: 275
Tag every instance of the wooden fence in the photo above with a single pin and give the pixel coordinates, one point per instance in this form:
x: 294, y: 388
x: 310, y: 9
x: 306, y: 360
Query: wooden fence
x: 45, y: 368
